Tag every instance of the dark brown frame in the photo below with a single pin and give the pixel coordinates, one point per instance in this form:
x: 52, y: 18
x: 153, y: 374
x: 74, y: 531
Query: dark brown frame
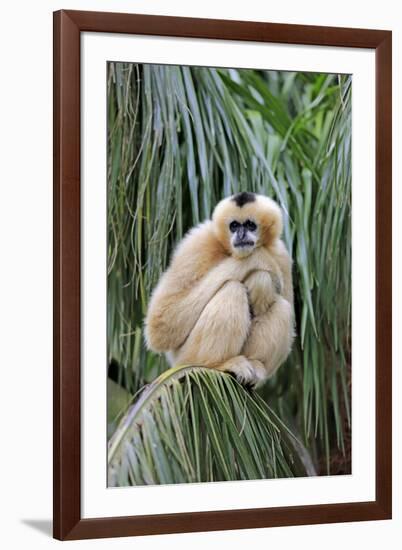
x: 68, y: 523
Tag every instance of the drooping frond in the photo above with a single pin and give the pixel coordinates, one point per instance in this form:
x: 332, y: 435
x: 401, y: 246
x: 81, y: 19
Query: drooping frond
x: 193, y: 424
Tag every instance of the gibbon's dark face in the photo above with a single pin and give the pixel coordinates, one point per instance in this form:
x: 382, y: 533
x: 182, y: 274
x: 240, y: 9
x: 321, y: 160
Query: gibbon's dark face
x: 243, y: 236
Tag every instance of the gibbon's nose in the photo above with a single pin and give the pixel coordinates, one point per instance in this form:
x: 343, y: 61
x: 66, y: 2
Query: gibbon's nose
x: 241, y: 233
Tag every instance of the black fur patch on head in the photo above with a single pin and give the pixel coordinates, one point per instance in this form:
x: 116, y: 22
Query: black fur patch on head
x: 243, y: 198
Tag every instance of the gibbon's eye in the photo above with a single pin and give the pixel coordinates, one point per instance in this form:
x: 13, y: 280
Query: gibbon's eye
x: 234, y: 226
x: 249, y: 225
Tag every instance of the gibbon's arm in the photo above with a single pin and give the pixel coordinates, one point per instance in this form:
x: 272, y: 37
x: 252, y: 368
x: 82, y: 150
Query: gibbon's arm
x: 284, y: 262
x: 199, y: 268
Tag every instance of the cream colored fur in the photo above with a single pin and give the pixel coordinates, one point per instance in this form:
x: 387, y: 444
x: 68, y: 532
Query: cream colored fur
x: 216, y: 308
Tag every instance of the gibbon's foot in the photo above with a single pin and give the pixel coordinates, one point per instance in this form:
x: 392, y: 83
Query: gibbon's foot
x: 250, y: 373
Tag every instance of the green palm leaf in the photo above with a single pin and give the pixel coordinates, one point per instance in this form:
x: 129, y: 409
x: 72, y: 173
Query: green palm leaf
x: 193, y: 424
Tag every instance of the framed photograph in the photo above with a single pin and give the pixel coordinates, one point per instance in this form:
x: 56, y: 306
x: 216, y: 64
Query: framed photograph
x: 222, y: 274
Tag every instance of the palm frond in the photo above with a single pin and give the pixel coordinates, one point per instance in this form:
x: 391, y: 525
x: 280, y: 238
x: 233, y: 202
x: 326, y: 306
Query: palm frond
x: 193, y: 424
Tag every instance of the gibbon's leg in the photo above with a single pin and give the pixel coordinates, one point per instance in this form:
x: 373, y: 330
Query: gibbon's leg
x: 173, y: 312
x: 270, y: 339
x: 221, y: 330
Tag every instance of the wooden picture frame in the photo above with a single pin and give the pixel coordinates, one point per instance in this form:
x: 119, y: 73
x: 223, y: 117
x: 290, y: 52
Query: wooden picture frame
x: 68, y: 26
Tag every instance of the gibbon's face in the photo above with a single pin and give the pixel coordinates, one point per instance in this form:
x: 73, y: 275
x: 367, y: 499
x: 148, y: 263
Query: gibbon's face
x: 246, y: 221
x: 243, y: 238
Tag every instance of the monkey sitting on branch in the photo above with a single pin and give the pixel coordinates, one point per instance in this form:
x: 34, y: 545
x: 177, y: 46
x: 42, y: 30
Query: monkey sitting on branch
x: 226, y: 300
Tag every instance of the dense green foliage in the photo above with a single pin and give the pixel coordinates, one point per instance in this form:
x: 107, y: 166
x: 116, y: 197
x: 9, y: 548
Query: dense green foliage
x: 179, y: 140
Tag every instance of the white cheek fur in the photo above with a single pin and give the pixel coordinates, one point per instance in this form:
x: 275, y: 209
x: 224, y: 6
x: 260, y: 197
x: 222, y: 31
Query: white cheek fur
x: 242, y: 252
x: 250, y: 236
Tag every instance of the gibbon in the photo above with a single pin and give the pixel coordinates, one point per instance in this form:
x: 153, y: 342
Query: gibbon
x: 226, y: 299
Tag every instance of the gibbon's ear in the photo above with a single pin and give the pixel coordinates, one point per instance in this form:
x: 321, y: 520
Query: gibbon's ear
x: 269, y: 215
